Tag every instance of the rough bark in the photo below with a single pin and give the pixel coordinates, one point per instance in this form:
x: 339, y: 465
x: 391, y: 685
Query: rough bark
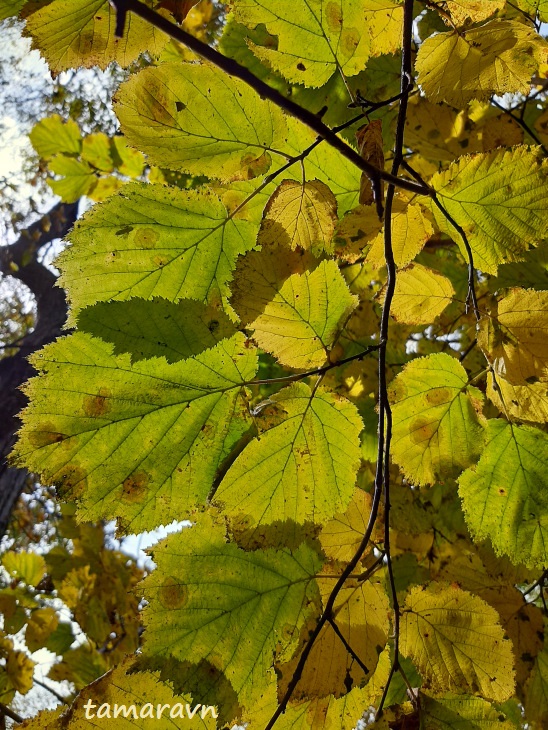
x: 20, y: 260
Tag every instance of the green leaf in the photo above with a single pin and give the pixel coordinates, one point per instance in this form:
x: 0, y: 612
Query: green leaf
x: 302, y: 469
x: 456, y: 642
x: 462, y: 712
x: 154, y: 241
x: 535, y: 6
x: 28, y: 567
x: 53, y: 135
x: 78, y: 178
x: 71, y: 33
x: 211, y: 600
x: 497, y: 57
x: 499, y: 199
x: 148, y: 329
x: 141, y: 442
x: 437, y: 432
x: 504, y: 497
x: 9, y: 8
x: 129, y: 162
x: 193, y: 118
x: 320, y: 38
x: 300, y: 324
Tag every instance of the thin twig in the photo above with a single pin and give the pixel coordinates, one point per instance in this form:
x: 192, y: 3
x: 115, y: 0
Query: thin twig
x: 382, y: 476
x: 522, y: 123
x: 56, y: 694
x: 347, y: 646
x: 233, y: 68
x: 5, y: 710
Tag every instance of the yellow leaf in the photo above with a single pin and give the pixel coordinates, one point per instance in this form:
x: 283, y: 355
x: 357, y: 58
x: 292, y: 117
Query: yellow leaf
x: 358, y: 228
x: 456, y: 642
x: 421, y: 295
x: 410, y: 231
x: 300, y: 214
x: 20, y: 670
x: 526, y: 402
x: 474, y: 10
x: 341, y: 536
x: 536, y: 696
x: 455, y: 711
x: 41, y: 625
x: 300, y: 323
x: 515, y: 337
x: 28, y: 567
x: 498, y: 57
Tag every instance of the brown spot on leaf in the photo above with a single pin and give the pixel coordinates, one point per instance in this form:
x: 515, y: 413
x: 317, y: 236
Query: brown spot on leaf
x: 422, y: 429
x: 333, y: 15
x: 437, y: 396
x: 97, y: 405
x: 134, y: 487
x: 146, y: 237
x: 45, y: 435
x: 71, y: 481
x: 173, y: 594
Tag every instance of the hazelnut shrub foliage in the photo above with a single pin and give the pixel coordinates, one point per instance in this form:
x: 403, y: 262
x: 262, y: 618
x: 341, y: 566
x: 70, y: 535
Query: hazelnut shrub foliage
x: 310, y: 315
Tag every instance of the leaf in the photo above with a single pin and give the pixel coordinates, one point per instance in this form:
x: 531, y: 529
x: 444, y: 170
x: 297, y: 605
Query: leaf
x: 474, y: 10
x: 154, y: 241
x: 25, y: 566
x: 9, y: 8
x: 421, y: 295
x: 302, y: 469
x: 229, y: 133
x: 498, y: 57
x: 42, y: 623
x: 20, y: 671
x: 341, y: 536
x: 71, y: 33
x: 527, y: 402
x: 129, y: 162
x: 139, y: 442
x: 370, y: 147
x: 410, y: 231
x: 536, y: 699
x: 499, y: 200
x: 534, y: 7
x: 147, y: 329
x: 456, y: 642
x: 78, y: 178
x: 211, y: 600
x: 328, y: 35
x: 300, y: 324
x: 437, y: 431
x: 96, y: 151
x: 515, y: 337
x: 504, y: 495
x: 453, y: 712
x: 52, y: 136
x: 300, y: 215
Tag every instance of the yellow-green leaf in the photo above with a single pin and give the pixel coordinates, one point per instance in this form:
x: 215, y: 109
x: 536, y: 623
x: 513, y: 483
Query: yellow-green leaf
x: 505, y: 497
x: 300, y: 214
x: 317, y: 39
x: 499, y: 199
x: 461, y: 712
x: 26, y: 566
x: 421, y: 295
x: 300, y: 323
x: 211, y: 600
x: 52, y: 136
x: 96, y: 150
x: 72, y: 33
x: 193, y: 118
x: 153, y: 240
x: 140, y: 442
x: 536, y: 698
x: 515, y: 336
x: 301, y: 469
x: 495, y: 58
x: 410, y: 231
x: 77, y: 178
x: 437, y: 432
x: 456, y: 642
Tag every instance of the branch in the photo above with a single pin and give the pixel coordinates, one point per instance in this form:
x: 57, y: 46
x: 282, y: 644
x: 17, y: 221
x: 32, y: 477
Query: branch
x: 233, y: 68
x: 522, y: 123
x: 382, y: 475
x: 19, y: 260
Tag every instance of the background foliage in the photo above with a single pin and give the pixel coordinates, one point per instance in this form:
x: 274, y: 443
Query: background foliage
x: 309, y: 314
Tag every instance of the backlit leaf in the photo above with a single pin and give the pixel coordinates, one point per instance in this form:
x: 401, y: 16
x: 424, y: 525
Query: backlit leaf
x: 498, y: 57
x: 53, y: 135
x: 342, y: 535
x: 454, y: 711
x: 77, y: 178
x: 526, y: 402
x: 140, y: 441
x: 437, y: 432
x: 300, y: 324
x: 537, y: 692
x: 410, y: 231
x: 504, y: 496
x: 211, y: 599
x: 499, y: 200
x: 154, y: 241
x: 231, y: 134
x: 474, y: 10
x: 421, y: 295
x: 456, y: 642
x: 300, y: 215
x: 73, y: 33
x: 28, y: 567
x: 315, y: 448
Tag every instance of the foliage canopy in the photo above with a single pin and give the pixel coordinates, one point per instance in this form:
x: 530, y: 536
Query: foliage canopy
x: 311, y: 316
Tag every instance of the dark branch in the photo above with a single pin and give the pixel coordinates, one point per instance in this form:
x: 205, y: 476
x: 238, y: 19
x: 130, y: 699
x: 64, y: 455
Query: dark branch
x: 522, y: 123
x: 231, y: 67
x: 20, y: 261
